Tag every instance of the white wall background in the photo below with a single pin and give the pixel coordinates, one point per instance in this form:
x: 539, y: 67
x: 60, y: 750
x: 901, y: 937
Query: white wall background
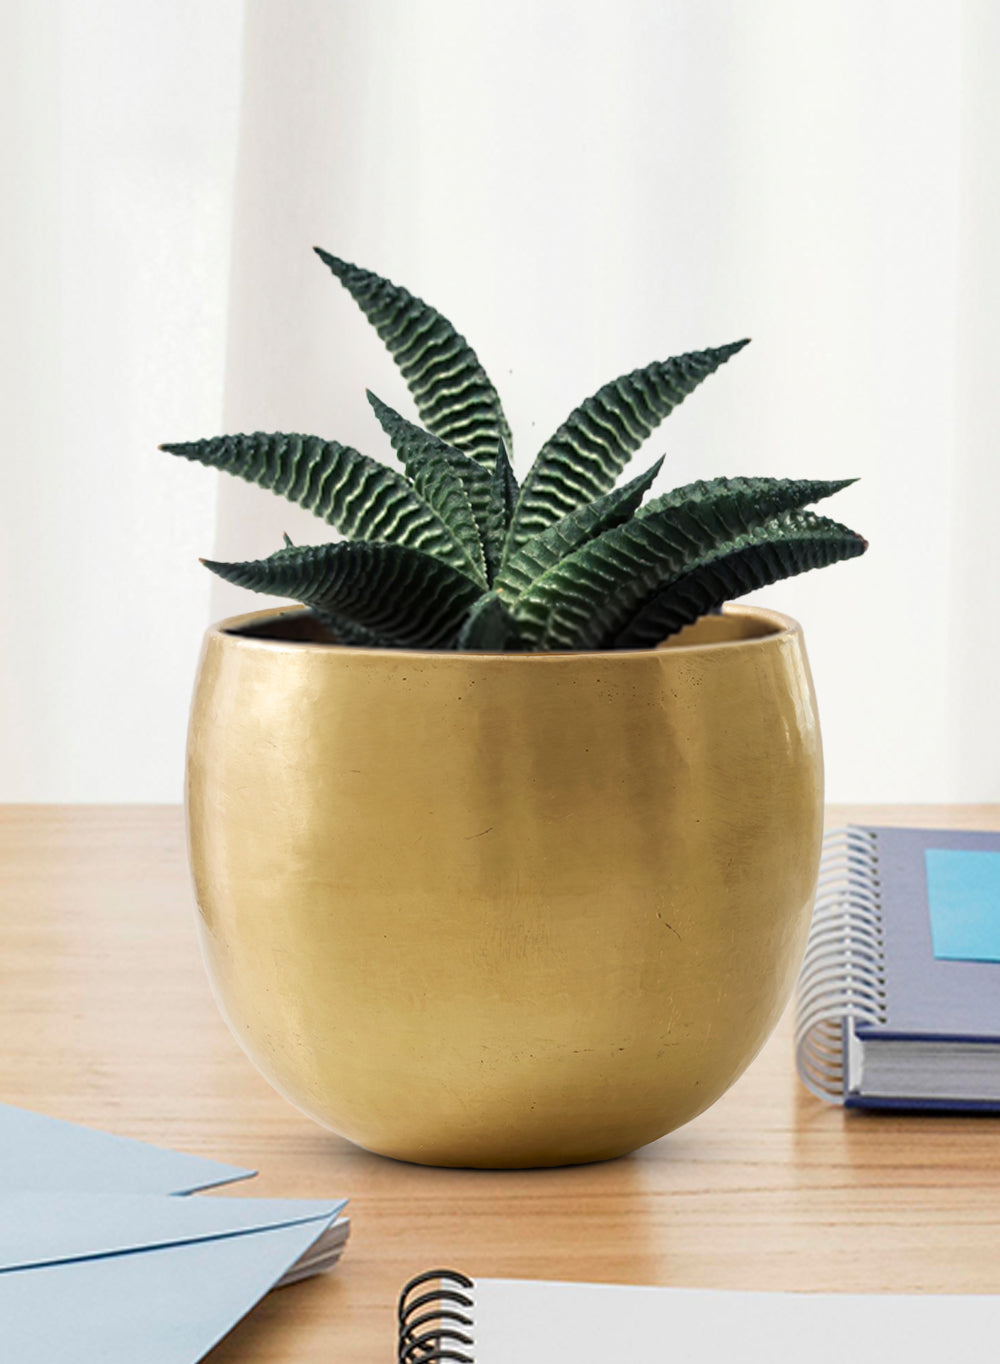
x: 581, y: 188
x: 118, y: 123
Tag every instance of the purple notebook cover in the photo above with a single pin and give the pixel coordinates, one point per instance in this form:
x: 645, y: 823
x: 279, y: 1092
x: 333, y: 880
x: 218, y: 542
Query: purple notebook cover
x: 927, y: 997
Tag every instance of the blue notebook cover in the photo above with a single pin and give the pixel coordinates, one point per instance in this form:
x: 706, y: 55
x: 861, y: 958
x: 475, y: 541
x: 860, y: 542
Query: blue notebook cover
x: 904, y: 949
x: 929, y: 995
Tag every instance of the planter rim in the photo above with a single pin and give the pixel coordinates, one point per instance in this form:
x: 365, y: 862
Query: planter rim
x: 774, y: 628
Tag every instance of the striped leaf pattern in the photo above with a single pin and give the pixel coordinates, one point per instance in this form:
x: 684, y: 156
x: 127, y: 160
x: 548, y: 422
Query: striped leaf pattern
x: 593, y: 593
x: 451, y: 482
x: 453, y: 393
x: 714, y: 512
x: 500, y: 511
x: 591, y: 448
x: 727, y: 507
x: 362, y: 498
x: 779, y: 549
x: 570, y: 532
x: 407, y: 598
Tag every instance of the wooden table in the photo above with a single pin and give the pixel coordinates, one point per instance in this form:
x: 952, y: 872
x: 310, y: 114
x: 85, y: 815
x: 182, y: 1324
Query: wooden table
x: 107, y: 1019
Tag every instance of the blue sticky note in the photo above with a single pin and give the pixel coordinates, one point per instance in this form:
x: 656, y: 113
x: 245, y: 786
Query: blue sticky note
x: 963, y: 891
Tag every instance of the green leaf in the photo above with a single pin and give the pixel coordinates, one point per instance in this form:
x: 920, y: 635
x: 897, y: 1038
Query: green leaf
x: 362, y: 498
x: 490, y: 627
x: 591, y: 448
x: 409, y: 598
x: 453, y: 393
x: 726, y: 507
x: 540, y: 552
x: 779, y: 549
x: 500, y: 510
x: 348, y: 632
x: 451, y: 482
x: 592, y: 594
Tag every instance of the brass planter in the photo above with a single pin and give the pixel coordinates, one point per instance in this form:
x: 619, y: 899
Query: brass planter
x: 502, y: 909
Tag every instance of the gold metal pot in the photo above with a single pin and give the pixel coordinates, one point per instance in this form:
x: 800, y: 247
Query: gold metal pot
x: 504, y: 909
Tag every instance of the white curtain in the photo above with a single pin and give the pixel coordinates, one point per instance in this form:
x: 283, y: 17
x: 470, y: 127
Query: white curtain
x: 118, y: 123
x: 581, y: 188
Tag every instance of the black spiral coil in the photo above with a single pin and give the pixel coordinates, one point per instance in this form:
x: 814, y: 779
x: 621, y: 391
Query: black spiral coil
x: 430, y: 1322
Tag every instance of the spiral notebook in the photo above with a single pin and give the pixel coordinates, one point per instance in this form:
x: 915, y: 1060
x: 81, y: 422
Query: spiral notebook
x: 898, y: 1002
x: 445, y: 1316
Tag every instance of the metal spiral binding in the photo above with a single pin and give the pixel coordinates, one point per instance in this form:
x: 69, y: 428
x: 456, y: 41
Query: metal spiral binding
x: 429, y: 1322
x: 843, y: 974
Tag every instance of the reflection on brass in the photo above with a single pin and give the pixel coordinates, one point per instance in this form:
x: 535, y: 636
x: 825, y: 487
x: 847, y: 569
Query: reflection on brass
x: 504, y: 909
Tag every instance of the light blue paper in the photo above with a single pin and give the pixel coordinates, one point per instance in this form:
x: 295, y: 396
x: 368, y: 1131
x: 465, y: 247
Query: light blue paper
x: 45, y: 1228
x: 168, y: 1305
x: 38, y: 1152
x: 963, y: 892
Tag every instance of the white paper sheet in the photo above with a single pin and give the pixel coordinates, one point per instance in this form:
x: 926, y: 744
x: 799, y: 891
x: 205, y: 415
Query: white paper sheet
x: 538, y: 1323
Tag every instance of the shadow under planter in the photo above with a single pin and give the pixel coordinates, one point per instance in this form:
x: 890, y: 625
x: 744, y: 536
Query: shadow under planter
x: 504, y: 909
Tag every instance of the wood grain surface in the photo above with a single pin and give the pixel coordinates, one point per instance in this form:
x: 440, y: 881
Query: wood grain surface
x: 107, y: 1019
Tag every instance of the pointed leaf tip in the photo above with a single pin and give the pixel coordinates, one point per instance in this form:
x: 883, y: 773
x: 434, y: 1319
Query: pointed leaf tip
x: 363, y: 498
x: 454, y: 396
x: 732, y: 348
x: 583, y: 459
x: 453, y: 484
x: 217, y: 566
x: 393, y: 592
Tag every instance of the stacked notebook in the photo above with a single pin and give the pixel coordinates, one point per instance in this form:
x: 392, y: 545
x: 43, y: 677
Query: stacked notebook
x: 104, y: 1258
x: 898, y: 1002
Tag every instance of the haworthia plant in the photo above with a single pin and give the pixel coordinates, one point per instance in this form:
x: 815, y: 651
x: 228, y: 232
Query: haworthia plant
x: 451, y: 553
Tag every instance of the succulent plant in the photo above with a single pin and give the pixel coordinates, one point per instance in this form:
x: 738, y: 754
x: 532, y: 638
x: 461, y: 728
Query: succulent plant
x: 451, y: 553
